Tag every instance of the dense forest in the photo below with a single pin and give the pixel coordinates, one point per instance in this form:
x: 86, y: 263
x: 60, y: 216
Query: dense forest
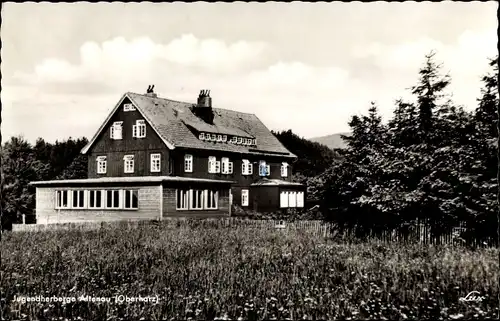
x: 431, y: 160
x: 23, y: 163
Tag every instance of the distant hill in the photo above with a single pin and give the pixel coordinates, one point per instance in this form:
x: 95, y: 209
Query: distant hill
x: 312, y: 158
x: 332, y: 141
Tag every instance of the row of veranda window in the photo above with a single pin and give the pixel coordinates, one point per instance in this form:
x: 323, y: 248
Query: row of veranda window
x: 97, y: 199
x: 288, y: 199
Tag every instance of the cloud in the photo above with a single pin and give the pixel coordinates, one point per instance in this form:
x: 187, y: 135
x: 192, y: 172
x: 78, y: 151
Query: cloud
x: 118, y: 59
x: 59, y: 98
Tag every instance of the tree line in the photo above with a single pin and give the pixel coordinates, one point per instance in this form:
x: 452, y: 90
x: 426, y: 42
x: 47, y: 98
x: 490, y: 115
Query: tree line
x: 23, y: 162
x: 432, y: 161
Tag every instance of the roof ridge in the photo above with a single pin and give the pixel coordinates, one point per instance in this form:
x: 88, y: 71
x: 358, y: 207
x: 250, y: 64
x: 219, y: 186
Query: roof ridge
x: 186, y: 102
x: 172, y: 100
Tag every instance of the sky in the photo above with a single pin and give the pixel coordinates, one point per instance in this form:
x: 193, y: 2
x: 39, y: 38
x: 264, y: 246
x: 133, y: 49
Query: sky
x: 302, y: 66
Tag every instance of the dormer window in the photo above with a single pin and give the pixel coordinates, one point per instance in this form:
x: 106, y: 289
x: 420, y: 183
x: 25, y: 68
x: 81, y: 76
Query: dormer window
x: 202, y: 136
x: 139, y: 129
x: 128, y: 107
x: 116, y: 130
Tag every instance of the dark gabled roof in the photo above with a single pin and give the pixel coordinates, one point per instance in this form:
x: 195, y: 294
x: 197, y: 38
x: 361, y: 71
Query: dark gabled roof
x: 132, y: 179
x: 174, y: 122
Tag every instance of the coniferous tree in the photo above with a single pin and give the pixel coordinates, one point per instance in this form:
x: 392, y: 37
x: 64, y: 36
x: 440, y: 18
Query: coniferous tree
x: 19, y: 168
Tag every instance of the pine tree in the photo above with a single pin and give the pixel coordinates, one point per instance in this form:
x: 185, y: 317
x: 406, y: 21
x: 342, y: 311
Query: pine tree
x: 429, y: 91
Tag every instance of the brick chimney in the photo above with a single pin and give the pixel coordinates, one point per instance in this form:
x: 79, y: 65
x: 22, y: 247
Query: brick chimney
x: 204, y: 99
x: 203, y: 108
x: 150, y: 92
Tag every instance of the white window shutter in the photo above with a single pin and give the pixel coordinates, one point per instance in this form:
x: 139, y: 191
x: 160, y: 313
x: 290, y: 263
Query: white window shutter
x: 300, y: 199
x: 230, y: 167
x: 284, y: 199
x: 268, y: 170
x: 217, y: 166
x: 292, y: 198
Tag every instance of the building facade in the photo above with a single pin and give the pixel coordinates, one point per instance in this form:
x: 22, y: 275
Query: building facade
x: 154, y: 157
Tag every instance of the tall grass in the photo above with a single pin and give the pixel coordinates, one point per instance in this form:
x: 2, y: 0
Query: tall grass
x: 240, y: 273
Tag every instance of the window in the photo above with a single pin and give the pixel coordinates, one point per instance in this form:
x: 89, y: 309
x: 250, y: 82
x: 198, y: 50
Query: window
x: 246, y: 167
x: 113, y: 199
x: 116, y: 130
x: 262, y: 168
x: 227, y: 166
x: 284, y: 199
x: 95, y: 199
x: 211, y: 200
x: 284, y: 169
x: 182, y: 199
x: 78, y: 199
x: 188, y: 163
x: 217, y: 166
x: 128, y: 163
x: 196, y: 200
x: 219, y: 138
x: 211, y: 164
x: 214, y: 137
x: 244, y: 197
x: 255, y: 141
x: 300, y: 199
x: 62, y: 199
x: 101, y: 164
x: 139, y: 129
x: 131, y: 199
x: 240, y: 140
x: 292, y: 199
x: 233, y: 140
x: 128, y: 107
x: 202, y: 136
x: 155, y: 163
x: 224, y: 138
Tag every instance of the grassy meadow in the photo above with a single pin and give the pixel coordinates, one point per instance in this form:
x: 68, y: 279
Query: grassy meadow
x: 202, y: 273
